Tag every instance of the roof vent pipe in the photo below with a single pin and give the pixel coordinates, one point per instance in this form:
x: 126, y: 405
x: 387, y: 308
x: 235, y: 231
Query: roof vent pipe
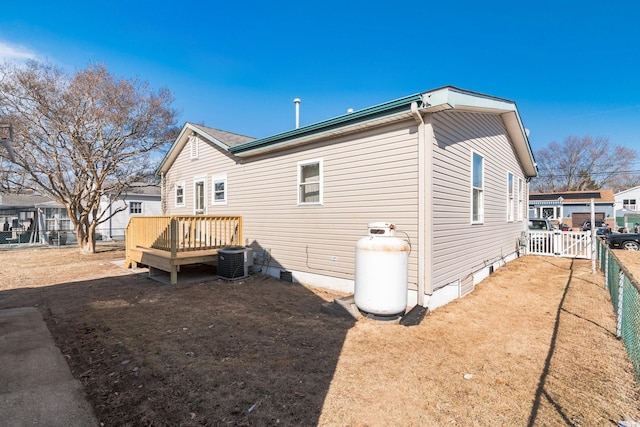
x: 350, y: 110
x: 297, y: 102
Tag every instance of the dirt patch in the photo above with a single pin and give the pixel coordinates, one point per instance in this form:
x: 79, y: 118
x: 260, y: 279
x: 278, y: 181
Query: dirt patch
x: 631, y: 260
x: 533, y: 344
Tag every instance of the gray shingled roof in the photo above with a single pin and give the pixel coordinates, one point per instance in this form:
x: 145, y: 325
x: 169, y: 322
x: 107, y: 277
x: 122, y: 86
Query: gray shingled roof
x: 227, y: 138
x: 21, y: 200
x: 145, y: 188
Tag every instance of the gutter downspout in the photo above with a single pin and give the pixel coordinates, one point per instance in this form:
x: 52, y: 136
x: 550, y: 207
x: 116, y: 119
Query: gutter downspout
x: 424, y: 194
x: 162, y: 195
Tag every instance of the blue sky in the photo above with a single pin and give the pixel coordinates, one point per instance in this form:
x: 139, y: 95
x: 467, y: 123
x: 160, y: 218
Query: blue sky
x: 572, y: 67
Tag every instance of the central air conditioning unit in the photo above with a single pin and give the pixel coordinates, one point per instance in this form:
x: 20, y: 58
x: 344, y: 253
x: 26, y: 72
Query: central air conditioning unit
x: 234, y: 262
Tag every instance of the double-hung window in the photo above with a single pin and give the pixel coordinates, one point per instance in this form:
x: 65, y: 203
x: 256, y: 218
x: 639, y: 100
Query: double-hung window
x: 477, y: 188
x: 510, y: 196
x: 520, y: 199
x: 629, y: 204
x: 200, y: 196
x: 180, y: 194
x: 310, y: 182
x: 219, y: 189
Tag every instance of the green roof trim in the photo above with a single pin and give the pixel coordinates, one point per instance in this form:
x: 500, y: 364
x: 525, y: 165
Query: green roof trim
x: 370, y: 113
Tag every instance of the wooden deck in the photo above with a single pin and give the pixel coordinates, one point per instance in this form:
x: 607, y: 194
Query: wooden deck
x: 166, y: 243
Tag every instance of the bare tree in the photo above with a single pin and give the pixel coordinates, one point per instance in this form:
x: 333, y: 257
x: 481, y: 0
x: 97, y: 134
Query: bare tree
x: 78, y: 137
x: 587, y: 163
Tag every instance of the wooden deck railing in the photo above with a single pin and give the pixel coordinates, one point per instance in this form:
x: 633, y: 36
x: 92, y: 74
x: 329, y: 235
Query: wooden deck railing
x: 183, y: 233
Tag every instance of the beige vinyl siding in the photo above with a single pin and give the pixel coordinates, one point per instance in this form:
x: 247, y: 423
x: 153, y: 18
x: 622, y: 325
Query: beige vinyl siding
x: 366, y: 178
x: 455, y: 238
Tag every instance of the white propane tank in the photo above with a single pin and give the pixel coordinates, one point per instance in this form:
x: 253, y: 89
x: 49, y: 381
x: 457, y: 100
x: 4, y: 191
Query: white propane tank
x: 382, y: 271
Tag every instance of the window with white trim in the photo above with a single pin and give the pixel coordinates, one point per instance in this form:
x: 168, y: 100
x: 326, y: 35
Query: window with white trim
x: 135, y: 207
x: 510, y: 196
x: 180, y: 194
x: 219, y: 189
x: 310, y: 182
x: 629, y: 204
x: 200, y: 196
x: 550, y: 212
x: 193, y: 146
x: 520, y: 199
x: 56, y: 219
x: 477, y: 188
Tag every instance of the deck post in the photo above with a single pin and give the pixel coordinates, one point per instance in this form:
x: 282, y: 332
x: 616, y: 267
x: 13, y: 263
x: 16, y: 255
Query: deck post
x: 173, y: 237
x: 174, y: 274
x: 167, y: 242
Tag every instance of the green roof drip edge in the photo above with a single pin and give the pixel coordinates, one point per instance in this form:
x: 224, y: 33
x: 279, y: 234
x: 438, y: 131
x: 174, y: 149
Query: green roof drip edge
x: 350, y: 118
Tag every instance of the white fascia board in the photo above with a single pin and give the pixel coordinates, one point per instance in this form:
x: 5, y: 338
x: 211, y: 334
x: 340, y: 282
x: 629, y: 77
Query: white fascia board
x: 461, y: 100
x: 171, y: 155
x: 521, y: 142
x: 181, y: 141
x: 208, y: 137
x: 451, y: 98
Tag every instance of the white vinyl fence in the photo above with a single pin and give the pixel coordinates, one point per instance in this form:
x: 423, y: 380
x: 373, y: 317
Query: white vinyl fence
x: 570, y: 244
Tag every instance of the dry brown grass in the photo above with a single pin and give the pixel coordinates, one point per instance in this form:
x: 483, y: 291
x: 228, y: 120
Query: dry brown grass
x: 534, y: 344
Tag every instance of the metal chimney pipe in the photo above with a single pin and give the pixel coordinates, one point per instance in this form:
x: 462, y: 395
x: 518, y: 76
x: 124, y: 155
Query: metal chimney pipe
x: 297, y: 102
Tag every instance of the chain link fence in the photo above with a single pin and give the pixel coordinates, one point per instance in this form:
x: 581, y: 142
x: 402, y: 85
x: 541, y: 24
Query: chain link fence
x: 25, y: 238
x: 625, y: 296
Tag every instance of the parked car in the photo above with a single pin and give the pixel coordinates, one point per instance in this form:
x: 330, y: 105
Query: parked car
x: 586, y: 226
x: 540, y: 242
x: 630, y: 242
x: 540, y: 224
x: 603, y: 231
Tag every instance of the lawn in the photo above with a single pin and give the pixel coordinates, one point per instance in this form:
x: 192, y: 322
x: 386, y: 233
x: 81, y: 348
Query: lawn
x: 534, y: 344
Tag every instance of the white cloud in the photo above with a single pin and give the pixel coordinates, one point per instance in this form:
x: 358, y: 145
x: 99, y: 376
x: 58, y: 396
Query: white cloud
x: 10, y: 51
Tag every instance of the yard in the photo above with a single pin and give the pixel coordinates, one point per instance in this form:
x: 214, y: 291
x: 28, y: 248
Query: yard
x: 534, y: 344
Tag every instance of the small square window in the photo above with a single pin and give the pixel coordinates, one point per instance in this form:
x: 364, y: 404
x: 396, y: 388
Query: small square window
x: 219, y: 188
x: 180, y: 194
x: 629, y: 204
x: 135, y: 207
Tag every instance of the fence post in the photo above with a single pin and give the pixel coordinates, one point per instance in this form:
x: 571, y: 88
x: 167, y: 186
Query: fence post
x: 606, y: 270
x: 557, y: 247
x: 620, y: 296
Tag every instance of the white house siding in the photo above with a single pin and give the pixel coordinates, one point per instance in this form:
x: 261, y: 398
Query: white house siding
x: 459, y: 247
x: 117, y: 225
x: 629, y: 194
x: 371, y: 176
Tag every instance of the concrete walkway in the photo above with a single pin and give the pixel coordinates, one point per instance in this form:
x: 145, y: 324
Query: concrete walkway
x: 36, y: 385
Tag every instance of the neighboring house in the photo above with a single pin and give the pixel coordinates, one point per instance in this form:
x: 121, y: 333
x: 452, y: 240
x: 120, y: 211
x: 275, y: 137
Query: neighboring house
x: 54, y: 225
x: 17, y: 212
x: 573, y: 208
x: 627, y: 209
x: 139, y: 199
x: 50, y: 218
x: 628, y: 200
x: 448, y: 167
